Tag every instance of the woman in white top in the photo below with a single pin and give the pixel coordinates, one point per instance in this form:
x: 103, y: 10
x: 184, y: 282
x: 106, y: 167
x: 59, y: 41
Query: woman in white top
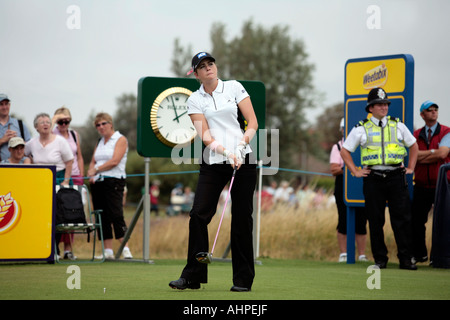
x: 215, y: 111
x: 50, y: 149
x: 107, y: 177
x: 62, y: 119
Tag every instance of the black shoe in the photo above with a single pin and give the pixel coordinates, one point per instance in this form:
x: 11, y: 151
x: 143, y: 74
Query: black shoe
x: 239, y: 289
x: 182, y: 284
x: 421, y: 259
x: 381, y: 264
x: 408, y: 265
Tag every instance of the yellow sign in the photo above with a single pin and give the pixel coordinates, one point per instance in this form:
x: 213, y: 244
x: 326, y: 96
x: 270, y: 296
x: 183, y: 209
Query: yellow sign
x: 365, y: 75
x: 26, y: 212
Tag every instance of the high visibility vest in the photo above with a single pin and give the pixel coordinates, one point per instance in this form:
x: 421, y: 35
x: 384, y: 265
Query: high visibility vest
x: 382, y: 146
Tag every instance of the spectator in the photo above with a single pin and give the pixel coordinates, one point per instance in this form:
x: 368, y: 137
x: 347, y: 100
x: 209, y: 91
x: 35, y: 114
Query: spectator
x: 107, y: 177
x: 9, y: 127
x: 60, y: 124
x: 188, y: 200
x: 62, y: 119
x: 154, y: 196
x: 337, y: 170
x: 282, y: 193
x: 266, y: 199
x: 16, y: 147
x: 434, y: 144
x: 176, y: 200
x: 50, y: 149
x: 272, y: 188
x: 305, y: 196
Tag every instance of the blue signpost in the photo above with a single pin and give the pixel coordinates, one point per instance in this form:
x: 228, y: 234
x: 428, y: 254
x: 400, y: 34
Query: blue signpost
x: 395, y: 74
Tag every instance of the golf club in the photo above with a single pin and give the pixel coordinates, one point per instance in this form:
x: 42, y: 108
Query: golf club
x: 206, y: 257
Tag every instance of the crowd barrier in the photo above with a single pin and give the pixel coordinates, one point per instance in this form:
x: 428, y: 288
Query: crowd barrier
x: 197, y: 171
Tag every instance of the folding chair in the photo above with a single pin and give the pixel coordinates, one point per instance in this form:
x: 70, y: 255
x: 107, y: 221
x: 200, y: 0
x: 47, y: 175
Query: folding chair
x: 93, y: 224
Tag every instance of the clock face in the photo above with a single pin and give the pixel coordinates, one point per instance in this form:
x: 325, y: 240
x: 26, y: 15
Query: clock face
x: 169, y: 118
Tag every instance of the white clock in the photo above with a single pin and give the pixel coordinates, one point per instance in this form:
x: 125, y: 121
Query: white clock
x: 169, y: 119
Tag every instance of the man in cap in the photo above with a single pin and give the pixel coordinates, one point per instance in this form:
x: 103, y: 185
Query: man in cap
x: 434, y: 144
x: 16, y: 147
x: 9, y: 127
x: 383, y: 140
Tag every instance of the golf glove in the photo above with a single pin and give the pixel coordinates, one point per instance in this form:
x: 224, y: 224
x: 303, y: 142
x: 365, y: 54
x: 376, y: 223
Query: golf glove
x: 229, y: 155
x: 240, y: 151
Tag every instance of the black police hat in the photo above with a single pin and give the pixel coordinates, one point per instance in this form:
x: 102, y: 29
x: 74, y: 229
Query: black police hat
x: 376, y: 95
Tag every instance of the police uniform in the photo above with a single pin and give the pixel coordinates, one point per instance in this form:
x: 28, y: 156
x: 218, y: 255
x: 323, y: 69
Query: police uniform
x: 383, y: 145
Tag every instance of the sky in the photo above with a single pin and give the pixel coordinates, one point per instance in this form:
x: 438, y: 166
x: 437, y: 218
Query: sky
x: 51, y: 55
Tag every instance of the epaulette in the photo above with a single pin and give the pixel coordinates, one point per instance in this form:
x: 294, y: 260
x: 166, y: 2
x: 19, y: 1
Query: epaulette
x: 361, y: 123
x: 394, y: 119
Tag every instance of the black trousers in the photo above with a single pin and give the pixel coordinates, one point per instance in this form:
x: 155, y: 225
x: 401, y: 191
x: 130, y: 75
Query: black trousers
x: 360, y: 214
x: 107, y: 195
x: 392, y: 188
x: 212, y: 180
x: 423, y: 200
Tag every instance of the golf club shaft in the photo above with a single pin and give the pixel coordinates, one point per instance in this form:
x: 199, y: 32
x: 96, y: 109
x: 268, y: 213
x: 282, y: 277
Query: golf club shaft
x: 224, y: 207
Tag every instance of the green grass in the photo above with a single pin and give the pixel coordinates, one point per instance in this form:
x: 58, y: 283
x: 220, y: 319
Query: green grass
x: 276, y: 279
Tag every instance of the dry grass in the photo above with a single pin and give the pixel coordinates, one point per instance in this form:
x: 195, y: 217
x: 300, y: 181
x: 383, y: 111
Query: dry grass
x: 285, y: 232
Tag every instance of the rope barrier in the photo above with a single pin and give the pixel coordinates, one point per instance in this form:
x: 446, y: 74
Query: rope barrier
x: 197, y: 171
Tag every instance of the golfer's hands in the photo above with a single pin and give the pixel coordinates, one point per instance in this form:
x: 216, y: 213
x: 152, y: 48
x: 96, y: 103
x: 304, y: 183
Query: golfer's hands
x: 240, y: 151
x: 234, y: 160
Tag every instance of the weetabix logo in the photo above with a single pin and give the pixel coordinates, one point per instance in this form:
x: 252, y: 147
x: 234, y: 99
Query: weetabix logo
x: 9, y: 213
x: 375, y: 77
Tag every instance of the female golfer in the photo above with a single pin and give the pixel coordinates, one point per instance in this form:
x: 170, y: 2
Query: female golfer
x: 216, y: 110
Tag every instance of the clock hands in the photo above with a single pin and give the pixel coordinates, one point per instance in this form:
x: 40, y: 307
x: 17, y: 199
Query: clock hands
x: 175, y: 109
x: 176, y: 118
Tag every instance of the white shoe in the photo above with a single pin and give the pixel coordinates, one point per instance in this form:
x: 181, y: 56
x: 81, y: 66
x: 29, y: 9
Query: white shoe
x: 109, y: 254
x: 126, y: 253
x: 362, y: 258
x: 343, y: 257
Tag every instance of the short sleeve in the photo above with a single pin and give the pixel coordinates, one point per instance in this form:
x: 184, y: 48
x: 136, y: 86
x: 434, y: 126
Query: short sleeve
x: 407, y: 136
x: 239, y: 91
x: 193, y: 104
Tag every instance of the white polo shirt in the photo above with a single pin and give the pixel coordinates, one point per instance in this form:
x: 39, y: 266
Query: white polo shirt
x: 221, y: 112
x: 358, y: 137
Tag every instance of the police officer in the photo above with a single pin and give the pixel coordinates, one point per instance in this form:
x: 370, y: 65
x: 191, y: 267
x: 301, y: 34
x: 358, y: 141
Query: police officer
x: 383, y: 140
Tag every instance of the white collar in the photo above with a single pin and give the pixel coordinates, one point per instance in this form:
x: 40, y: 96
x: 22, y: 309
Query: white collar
x: 218, y: 89
x: 377, y: 122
